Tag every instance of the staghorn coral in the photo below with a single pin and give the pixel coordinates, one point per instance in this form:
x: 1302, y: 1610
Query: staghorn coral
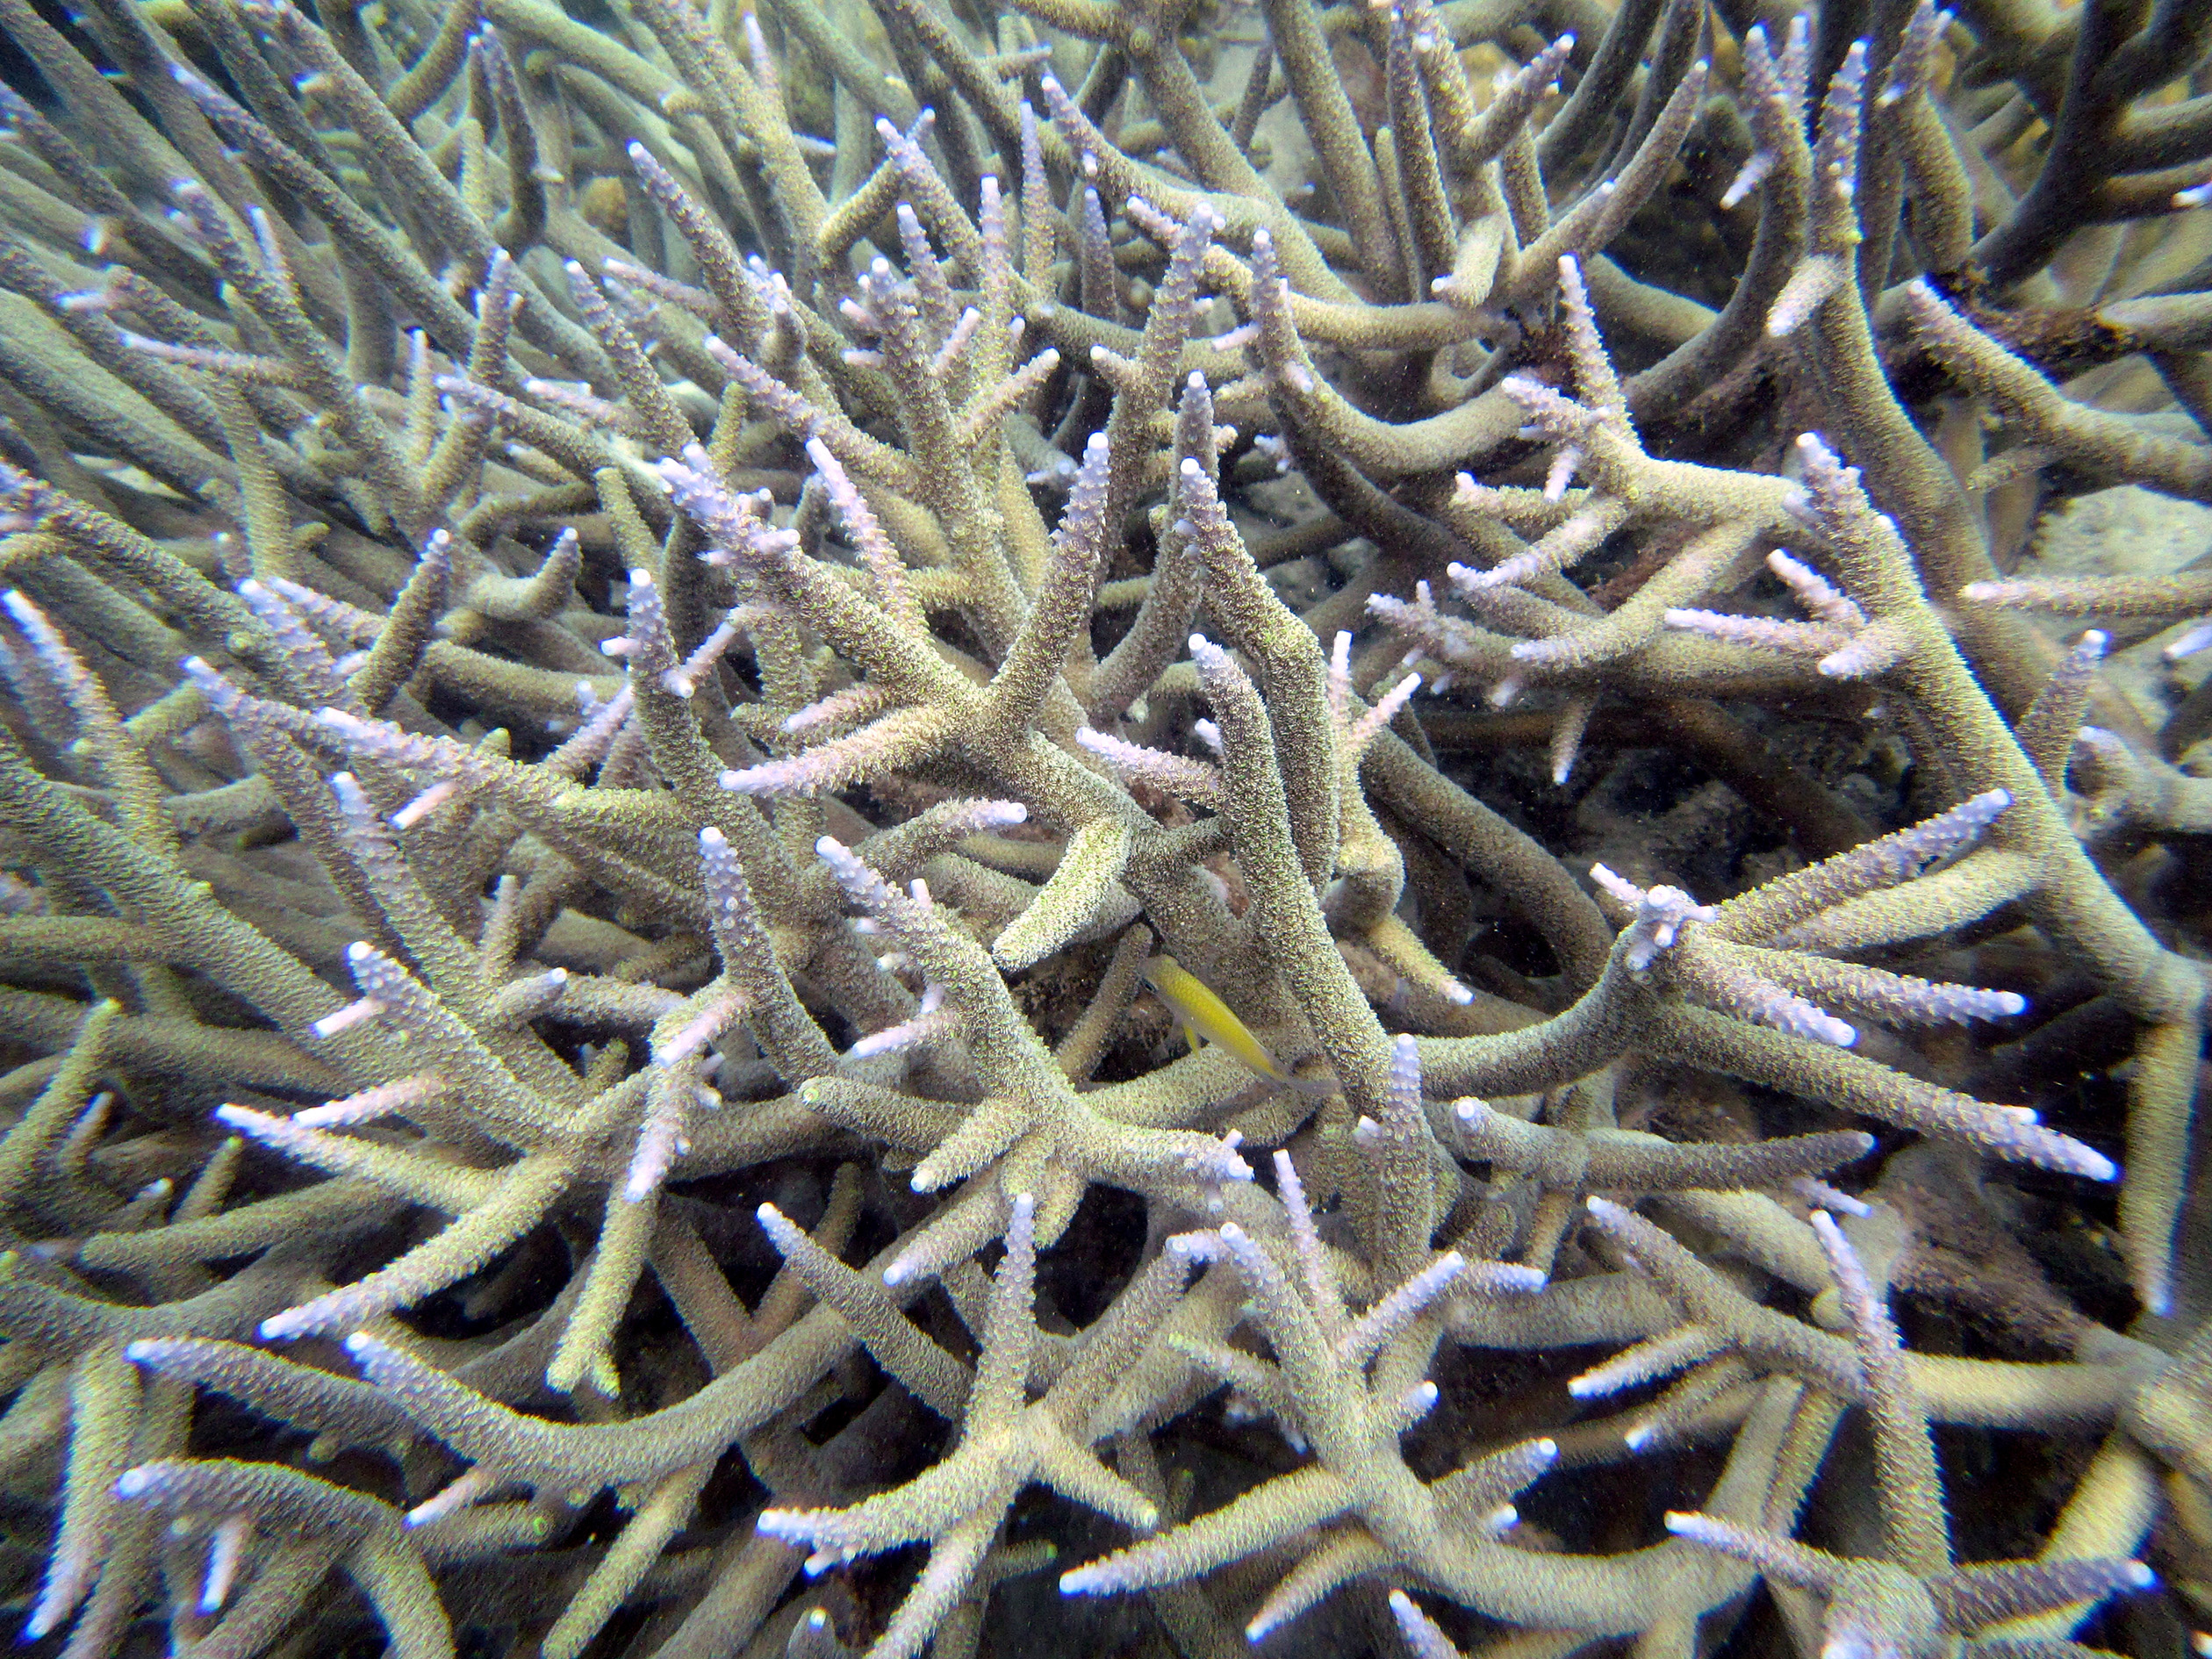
x: 632, y: 633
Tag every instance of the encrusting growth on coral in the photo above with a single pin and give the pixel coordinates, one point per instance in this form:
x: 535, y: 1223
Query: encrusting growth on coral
x: 802, y: 806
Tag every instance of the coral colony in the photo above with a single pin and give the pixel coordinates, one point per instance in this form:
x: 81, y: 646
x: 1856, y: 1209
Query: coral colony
x: 1023, y: 826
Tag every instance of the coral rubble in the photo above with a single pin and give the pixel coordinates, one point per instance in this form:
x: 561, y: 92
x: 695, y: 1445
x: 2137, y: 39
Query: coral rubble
x: 659, y: 654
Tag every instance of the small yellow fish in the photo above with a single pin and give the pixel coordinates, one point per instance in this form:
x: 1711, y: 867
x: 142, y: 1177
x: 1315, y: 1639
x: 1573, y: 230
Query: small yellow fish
x: 1205, y: 1015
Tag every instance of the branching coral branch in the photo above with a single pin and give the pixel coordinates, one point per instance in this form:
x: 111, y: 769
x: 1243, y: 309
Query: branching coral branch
x: 622, y: 619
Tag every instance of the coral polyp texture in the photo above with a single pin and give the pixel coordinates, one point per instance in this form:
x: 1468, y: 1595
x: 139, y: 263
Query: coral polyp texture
x: 939, y: 825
